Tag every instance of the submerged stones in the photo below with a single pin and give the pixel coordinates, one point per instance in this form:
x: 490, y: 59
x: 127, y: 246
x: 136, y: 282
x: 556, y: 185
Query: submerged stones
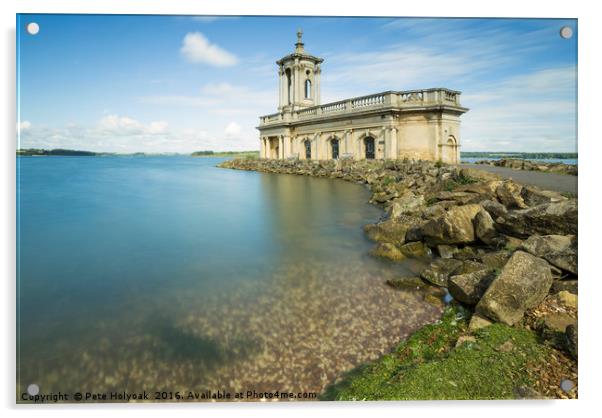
x: 498, y: 246
x: 523, y: 283
x: 440, y: 270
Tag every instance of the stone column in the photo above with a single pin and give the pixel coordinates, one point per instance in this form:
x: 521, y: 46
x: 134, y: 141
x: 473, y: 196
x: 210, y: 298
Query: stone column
x: 261, y: 148
x: 393, y: 150
x: 280, y: 88
x: 317, y: 73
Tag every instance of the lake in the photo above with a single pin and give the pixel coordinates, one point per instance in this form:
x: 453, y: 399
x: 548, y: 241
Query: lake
x: 169, y: 274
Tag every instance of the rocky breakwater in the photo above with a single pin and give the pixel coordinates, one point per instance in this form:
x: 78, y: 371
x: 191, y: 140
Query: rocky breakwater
x: 532, y: 165
x: 506, y: 252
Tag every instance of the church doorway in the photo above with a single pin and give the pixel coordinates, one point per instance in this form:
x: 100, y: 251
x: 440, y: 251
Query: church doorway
x: 335, y: 148
x: 369, y: 146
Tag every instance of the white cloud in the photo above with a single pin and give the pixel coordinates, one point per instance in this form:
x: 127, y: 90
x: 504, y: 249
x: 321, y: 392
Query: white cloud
x: 114, y: 133
x: 233, y: 130
x: 23, y: 126
x: 123, y: 125
x: 197, y: 48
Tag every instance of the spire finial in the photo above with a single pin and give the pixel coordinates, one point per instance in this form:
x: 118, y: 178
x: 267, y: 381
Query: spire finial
x: 299, y: 44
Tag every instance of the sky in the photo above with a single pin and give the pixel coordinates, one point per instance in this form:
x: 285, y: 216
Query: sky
x: 126, y: 83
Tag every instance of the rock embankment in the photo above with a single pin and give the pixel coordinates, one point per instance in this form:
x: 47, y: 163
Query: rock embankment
x: 532, y: 165
x: 505, y: 250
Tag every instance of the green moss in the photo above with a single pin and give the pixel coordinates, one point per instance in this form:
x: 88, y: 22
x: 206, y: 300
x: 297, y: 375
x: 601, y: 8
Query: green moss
x: 429, y: 366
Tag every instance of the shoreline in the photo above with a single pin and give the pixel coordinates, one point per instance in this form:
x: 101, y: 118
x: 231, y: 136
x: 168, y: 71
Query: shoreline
x: 482, y: 236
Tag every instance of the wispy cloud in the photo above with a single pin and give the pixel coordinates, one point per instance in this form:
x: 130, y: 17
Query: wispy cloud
x: 115, y: 133
x: 223, y: 99
x: 196, y: 48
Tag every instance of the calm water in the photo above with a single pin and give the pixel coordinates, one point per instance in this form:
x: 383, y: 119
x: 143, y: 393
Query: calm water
x: 167, y: 273
x: 572, y: 161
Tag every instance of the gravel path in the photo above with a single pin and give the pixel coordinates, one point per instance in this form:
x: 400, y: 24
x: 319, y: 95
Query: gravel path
x: 547, y: 181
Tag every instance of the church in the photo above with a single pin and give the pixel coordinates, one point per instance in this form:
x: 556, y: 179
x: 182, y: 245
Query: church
x: 414, y: 124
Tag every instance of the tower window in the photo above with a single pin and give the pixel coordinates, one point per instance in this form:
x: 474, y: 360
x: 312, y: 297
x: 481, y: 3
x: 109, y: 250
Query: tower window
x: 308, y: 89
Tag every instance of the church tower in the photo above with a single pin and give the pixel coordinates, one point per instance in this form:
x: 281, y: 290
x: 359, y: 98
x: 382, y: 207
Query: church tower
x: 299, y: 78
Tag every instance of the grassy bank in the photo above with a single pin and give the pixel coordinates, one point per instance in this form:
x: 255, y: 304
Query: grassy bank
x: 496, y: 362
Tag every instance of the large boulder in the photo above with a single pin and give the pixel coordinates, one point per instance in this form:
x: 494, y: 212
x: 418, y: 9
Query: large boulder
x: 470, y: 287
x: 558, y: 250
x: 509, y: 193
x: 455, y: 227
x: 484, y: 228
x: 533, y: 196
x: 522, y: 284
x: 407, y: 204
x: 390, y: 231
x: 439, y: 271
x: 548, y: 218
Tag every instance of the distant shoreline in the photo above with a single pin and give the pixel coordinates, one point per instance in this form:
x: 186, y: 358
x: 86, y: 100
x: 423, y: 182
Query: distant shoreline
x: 34, y: 152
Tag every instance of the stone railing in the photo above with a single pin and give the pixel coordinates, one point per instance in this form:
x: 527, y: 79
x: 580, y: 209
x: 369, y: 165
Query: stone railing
x: 389, y: 99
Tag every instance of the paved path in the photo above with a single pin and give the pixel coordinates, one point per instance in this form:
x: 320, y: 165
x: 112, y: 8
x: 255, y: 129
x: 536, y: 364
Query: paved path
x: 546, y: 181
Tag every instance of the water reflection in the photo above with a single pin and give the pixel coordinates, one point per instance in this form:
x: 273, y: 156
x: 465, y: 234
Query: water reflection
x: 229, y: 280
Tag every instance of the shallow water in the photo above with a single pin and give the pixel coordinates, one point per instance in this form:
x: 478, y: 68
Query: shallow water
x: 167, y: 273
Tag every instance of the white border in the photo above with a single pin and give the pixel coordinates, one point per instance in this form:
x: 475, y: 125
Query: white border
x: 590, y: 156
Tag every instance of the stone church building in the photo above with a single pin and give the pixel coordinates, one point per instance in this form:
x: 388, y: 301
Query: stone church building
x: 417, y: 124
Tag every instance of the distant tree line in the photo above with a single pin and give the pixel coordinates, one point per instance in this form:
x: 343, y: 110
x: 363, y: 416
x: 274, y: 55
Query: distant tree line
x: 58, y: 151
x: 523, y: 155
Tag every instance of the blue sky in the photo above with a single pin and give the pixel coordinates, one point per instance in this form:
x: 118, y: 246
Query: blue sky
x: 183, y: 83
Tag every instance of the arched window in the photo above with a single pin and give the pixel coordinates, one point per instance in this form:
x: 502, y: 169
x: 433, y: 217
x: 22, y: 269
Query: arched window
x: 334, y: 143
x: 288, y: 85
x: 307, y: 149
x: 308, y: 89
x: 369, y: 147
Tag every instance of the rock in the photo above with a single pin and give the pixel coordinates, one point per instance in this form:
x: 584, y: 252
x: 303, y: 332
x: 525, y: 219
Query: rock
x: 433, y: 211
x: 461, y: 198
x: 548, y: 218
x: 470, y: 266
x: 434, y: 300
x: 465, y: 339
x: 446, y: 251
x: 495, y: 260
x: 553, y: 327
x: 389, y: 231
x: 532, y: 196
x: 478, y: 174
x: 558, y: 250
x: 408, y: 204
x: 439, y: 271
x: 495, y: 209
x: 469, y: 288
x: 509, y: 194
x: 484, y: 228
x: 407, y: 283
x: 567, y: 299
x: 455, y: 227
x: 512, y: 243
x: 466, y: 253
x: 571, y: 339
x: 415, y: 249
x: 477, y: 322
x: 388, y: 251
x: 523, y: 283
x: 568, y: 285
x: 487, y: 189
